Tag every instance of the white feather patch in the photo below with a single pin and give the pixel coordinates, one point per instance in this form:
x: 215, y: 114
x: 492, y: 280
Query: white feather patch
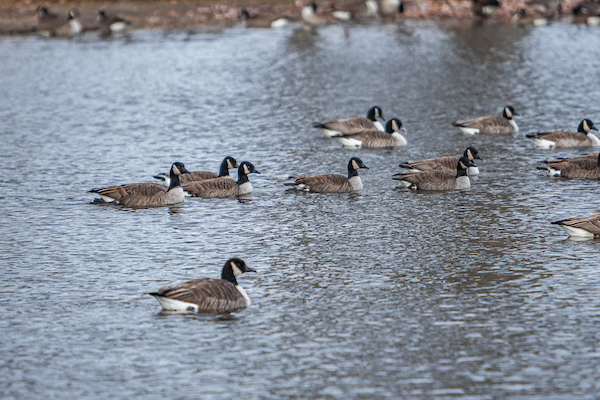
x: 469, y: 131
x: 176, y: 305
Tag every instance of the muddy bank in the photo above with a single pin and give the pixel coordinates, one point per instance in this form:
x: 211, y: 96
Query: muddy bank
x: 20, y: 17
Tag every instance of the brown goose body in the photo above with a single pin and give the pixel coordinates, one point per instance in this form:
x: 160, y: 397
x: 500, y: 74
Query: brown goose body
x: 447, y: 163
x: 227, y: 164
x: 352, y: 125
x: 223, y: 186
x: 492, y: 124
x: 565, y: 139
x: 374, y: 138
x: 110, y: 23
x: 145, y: 194
x: 584, y: 227
x: 207, y: 294
x: 438, y: 180
x: 331, y: 183
x: 567, y: 167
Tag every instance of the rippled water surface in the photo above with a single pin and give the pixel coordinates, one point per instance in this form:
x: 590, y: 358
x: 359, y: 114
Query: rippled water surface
x: 383, y: 294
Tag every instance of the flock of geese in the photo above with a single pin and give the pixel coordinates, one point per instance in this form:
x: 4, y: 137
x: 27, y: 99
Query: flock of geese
x: 433, y: 174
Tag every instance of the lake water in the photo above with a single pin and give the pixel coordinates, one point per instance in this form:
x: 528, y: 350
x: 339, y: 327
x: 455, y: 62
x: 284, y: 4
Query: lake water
x: 384, y: 294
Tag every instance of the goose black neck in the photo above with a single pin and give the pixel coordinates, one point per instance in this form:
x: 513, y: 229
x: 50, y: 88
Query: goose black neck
x: 224, y: 171
x: 242, y: 177
x: 461, y: 172
x: 227, y: 274
x: 352, y: 172
x: 174, y: 182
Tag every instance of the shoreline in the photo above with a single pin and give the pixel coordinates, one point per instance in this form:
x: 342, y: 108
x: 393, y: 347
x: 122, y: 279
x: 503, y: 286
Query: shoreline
x: 20, y: 17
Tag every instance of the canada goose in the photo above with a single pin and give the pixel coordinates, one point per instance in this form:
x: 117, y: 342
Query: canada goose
x: 52, y: 25
x: 223, y: 187
x: 554, y: 167
x: 582, y: 138
x: 389, y: 8
x: 207, y: 294
x: 146, y: 194
x: 357, y: 10
x: 545, y: 7
x: 373, y: 138
x: 438, y: 179
x: 310, y: 16
x: 348, y: 126
x: 331, y: 183
x: 261, y: 21
x: 522, y: 17
x: 448, y: 163
x: 485, y: 8
x: 496, y: 124
x: 581, y: 227
x: 580, y: 167
x: 111, y: 23
x: 586, y: 12
x: 227, y: 164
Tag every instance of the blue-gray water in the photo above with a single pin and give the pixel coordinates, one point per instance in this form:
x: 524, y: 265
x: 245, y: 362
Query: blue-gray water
x: 385, y: 294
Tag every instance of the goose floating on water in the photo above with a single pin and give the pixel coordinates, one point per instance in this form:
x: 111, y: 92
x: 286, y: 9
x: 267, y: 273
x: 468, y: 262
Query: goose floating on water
x: 331, y: 183
x: 494, y: 124
x: 207, y: 294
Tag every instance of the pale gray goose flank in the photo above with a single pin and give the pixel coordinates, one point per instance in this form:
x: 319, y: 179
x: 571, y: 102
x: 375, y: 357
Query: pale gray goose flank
x: 581, y: 227
x: 207, y: 294
x: 331, y: 183
x: 389, y: 8
x: 110, y: 23
x: 494, y: 124
x: 227, y: 164
x: 373, y: 138
x: 555, y: 167
x: 582, y: 138
x: 348, y: 126
x: 448, y: 163
x: 437, y: 180
x: 223, y: 187
x: 146, y: 194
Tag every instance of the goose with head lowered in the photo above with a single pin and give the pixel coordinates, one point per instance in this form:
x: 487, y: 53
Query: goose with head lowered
x: 331, y: 183
x: 373, y: 138
x: 348, y: 126
x: 494, y: 124
x: 580, y: 167
x: 581, y: 227
x: 448, y: 163
x: 207, y: 294
x: 582, y: 138
x: 227, y: 164
x: 111, y: 24
x: 146, y: 194
x: 438, y: 180
x: 224, y: 186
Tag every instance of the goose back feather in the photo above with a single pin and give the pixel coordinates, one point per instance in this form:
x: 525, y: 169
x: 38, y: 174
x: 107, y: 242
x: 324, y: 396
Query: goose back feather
x: 584, y: 227
x: 493, y: 124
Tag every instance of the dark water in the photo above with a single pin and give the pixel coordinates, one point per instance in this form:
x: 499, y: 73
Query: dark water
x: 385, y: 294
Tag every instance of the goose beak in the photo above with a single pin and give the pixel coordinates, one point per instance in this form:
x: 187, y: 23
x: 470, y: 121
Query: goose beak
x: 248, y: 269
x: 185, y: 171
x: 403, y: 129
x: 479, y: 158
x: 594, y: 129
x: 518, y: 115
x: 256, y: 172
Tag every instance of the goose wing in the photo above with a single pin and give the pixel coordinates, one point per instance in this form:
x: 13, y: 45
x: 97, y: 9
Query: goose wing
x: 197, y: 176
x: 449, y: 163
x: 327, y: 183
x: 431, y: 180
x: 590, y: 223
x: 217, y: 187
x: 578, y: 172
x: 130, y: 190
x: 489, y: 124
x: 557, y: 136
x: 209, y: 294
x: 347, y: 125
x: 583, y: 162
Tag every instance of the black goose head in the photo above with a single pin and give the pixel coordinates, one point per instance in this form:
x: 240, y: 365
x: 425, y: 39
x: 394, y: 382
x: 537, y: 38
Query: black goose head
x: 177, y: 169
x: 509, y: 112
x: 73, y: 13
x: 244, y: 169
x: 585, y: 126
x: 374, y: 113
x: 394, y: 125
x: 313, y: 6
x: 472, y: 154
x: 354, y: 165
x: 234, y: 267
x: 227, y: 164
